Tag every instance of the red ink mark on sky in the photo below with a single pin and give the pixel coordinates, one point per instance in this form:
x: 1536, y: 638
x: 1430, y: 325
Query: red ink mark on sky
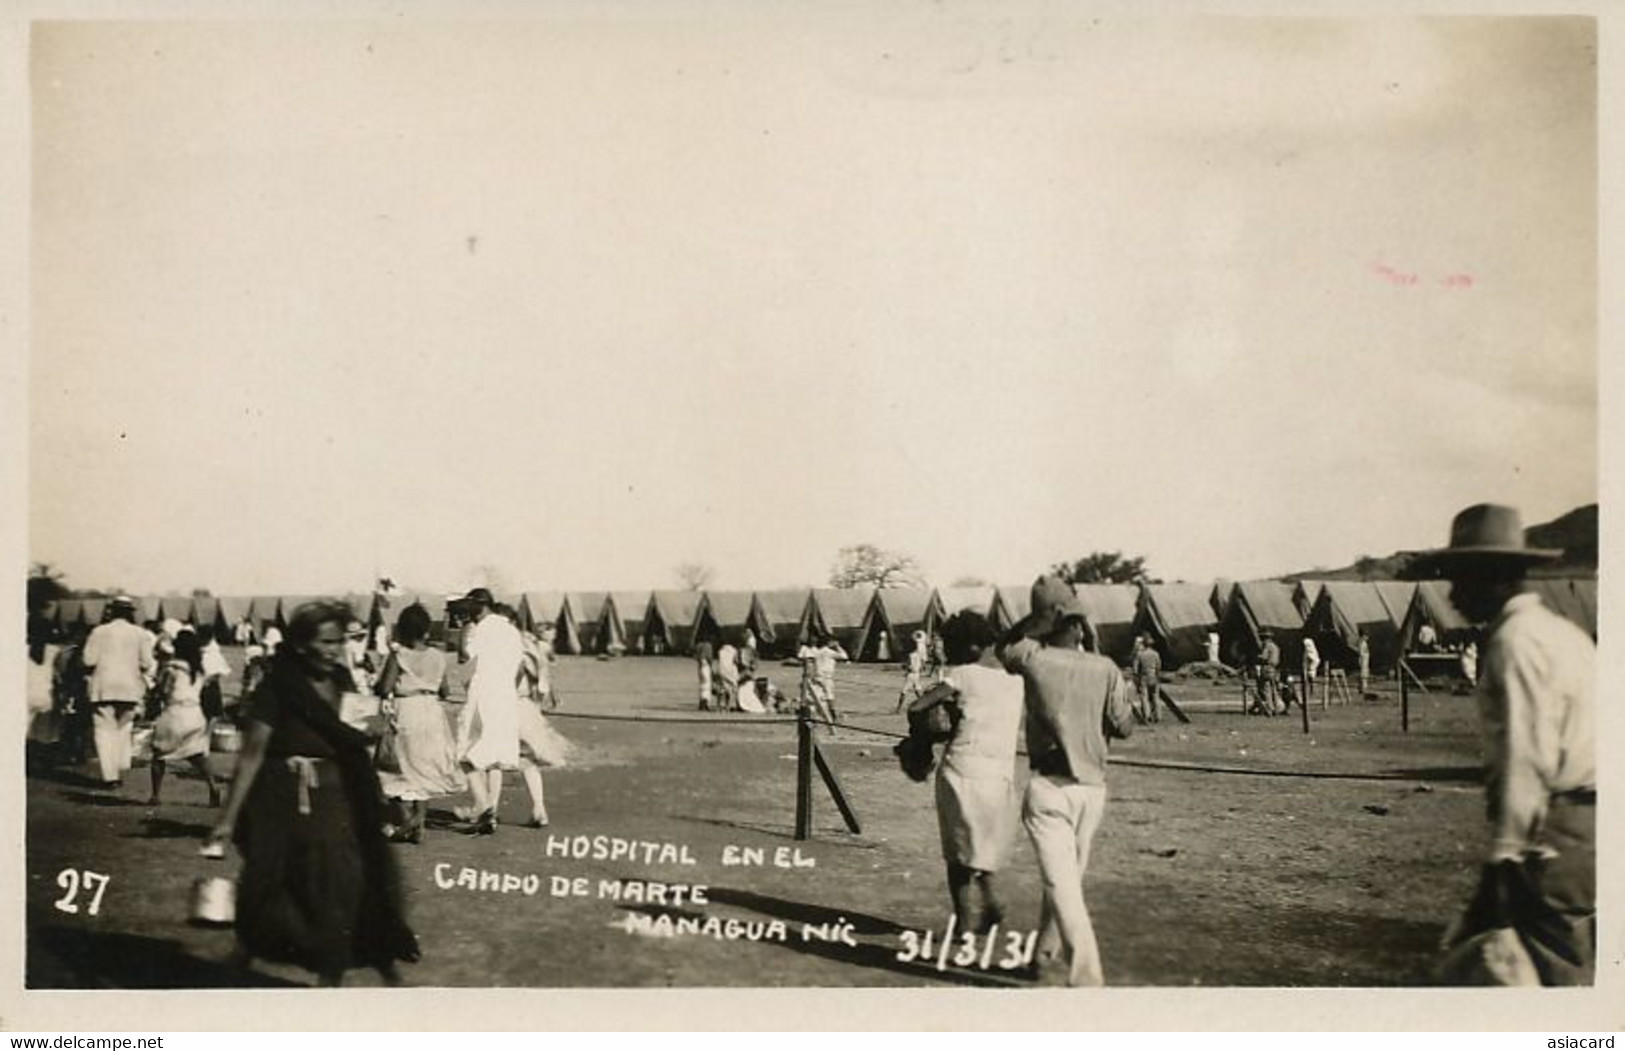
x: 1458, y: 281
x: 1394, y: 277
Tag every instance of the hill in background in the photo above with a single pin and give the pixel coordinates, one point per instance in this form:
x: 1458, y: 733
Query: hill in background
x: 1575, y: 534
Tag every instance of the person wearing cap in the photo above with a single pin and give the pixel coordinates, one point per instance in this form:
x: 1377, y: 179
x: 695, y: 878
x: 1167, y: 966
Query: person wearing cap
x: 1537, y: 708
x: 1267, y: 674
x: 1074, y: 701
x: 1147, y: 666
x: 120, y: 658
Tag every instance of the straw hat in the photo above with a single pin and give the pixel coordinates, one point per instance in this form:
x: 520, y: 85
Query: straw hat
x: 1484, y: 534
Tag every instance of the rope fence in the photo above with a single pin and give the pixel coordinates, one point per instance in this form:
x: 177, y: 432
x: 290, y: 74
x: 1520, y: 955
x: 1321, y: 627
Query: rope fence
x: 1144, y: 764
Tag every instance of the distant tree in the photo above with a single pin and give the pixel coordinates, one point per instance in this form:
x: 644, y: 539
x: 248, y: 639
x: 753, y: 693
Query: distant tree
x: 202, y: 593
x: 1367, y: 565
x: 867, y: 565
x: 695, y: 576
x: 1104, y: 567
x: 969, y: 582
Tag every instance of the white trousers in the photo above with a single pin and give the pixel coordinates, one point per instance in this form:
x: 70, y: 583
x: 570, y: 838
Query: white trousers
x: 1062, y: 816
x: 110, y: 726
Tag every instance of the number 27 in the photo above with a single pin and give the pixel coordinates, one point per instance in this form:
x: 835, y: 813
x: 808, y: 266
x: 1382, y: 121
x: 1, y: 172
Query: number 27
x: 72, y: 880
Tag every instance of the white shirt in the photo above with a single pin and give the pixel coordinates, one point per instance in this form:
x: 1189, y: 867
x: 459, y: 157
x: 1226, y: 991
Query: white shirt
x: 1538, y: 702
x: 823, y: 658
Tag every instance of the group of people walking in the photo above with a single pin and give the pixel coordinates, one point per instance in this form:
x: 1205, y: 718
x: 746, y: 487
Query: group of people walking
x: 1532, y: 918
x: 1074, y: 701
x: 88, y: 688
x: 311, y: 805
x: 342, y: 747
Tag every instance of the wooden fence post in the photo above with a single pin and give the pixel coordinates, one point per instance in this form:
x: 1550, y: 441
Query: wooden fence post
x: 804, y: 772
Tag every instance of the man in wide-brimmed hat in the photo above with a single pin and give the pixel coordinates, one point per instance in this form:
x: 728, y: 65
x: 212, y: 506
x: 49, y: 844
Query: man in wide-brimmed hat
x: 119, y: 656
x: 1537, y: 705
x: 1074, y: 700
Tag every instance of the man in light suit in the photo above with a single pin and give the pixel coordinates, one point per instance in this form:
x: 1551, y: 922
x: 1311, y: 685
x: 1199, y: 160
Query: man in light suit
x: 119, y: 656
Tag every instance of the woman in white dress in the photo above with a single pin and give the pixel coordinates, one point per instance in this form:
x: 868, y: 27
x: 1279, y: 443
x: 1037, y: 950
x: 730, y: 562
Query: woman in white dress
x: 413, y: 682
x: 976, y: 803
x: 488, y: 729
x: 182, y: 731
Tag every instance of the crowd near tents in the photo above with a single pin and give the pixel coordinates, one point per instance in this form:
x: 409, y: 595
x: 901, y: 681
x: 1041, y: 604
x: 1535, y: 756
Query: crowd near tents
x: 883, y: 624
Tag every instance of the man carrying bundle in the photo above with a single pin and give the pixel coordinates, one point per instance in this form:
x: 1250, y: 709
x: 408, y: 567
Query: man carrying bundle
x: 1537, y: 696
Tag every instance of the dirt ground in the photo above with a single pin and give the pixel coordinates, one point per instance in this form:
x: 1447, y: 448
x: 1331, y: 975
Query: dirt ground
x: 1236, y: 851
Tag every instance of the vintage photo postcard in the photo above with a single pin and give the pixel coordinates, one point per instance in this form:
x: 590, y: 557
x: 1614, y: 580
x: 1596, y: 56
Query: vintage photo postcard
x: 940, y: 514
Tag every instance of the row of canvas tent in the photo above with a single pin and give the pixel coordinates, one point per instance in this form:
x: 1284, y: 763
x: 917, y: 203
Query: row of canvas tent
x: 872, y: 624
x: 1391, y: 615
x: 880, y: 624
x: 220, y: 614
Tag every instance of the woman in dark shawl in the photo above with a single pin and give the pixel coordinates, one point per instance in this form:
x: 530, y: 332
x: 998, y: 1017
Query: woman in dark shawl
x: 319, y: 887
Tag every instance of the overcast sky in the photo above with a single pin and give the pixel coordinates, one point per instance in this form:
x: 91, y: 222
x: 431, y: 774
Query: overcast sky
x: 572, y: 301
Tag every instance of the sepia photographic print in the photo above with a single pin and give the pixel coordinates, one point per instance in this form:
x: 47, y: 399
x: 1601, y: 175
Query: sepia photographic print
x: 808, y: 516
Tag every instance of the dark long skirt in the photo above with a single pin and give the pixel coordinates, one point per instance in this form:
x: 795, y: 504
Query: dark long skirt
x: 318, y: 889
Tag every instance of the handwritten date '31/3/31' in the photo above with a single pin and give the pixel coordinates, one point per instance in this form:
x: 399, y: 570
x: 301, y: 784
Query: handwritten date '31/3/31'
x: 1007, y: 950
